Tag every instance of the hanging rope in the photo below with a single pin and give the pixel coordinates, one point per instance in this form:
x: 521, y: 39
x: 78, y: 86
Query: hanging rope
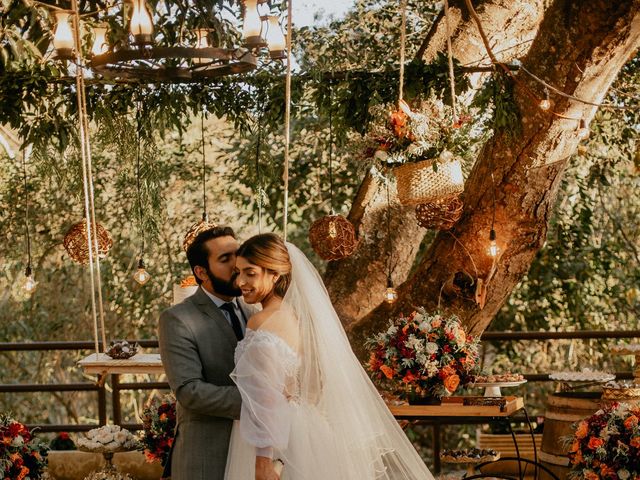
x: 331, y: 150
x: 26, y: 209
x: 140, y: 213
x: 403, y: 41
x: 87, y: 181
x: 452, y: 81
x: 205, y: 215
x: 287, y: 121
x: 260, y: 193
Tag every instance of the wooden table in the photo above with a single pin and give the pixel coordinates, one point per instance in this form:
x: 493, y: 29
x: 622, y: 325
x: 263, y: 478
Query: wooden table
x: 102, y: 364
x: 454, y: 410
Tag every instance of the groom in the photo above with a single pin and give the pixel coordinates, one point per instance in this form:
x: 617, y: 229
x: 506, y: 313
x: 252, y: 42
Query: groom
x: 197, y: 342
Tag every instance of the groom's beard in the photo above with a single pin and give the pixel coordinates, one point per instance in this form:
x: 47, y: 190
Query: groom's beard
x: 224, y: 287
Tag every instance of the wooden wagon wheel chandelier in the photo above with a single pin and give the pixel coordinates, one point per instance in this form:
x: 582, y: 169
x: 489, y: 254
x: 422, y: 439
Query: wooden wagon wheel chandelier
x: 142, y: 60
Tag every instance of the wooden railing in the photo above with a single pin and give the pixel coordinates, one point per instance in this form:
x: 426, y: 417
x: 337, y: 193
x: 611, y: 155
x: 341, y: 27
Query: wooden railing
x: 117, y: 387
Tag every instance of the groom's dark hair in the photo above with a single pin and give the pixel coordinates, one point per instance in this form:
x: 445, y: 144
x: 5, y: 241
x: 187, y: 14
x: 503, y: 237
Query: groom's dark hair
x: 198, y: 253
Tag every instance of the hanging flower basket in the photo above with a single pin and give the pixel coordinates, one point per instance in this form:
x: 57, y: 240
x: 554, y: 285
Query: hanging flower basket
x: 440, y: 214
x: 422, y: 183
x: 333, y: 237
x: 76, y: 245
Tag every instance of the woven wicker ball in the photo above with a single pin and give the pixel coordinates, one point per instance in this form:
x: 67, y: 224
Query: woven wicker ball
x: 440, y: 214
x: 195, y: 230
x: 76, y: 245
x: 333, y: 237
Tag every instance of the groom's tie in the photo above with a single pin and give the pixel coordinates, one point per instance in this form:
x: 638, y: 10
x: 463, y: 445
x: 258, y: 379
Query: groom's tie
x: 235, y: 321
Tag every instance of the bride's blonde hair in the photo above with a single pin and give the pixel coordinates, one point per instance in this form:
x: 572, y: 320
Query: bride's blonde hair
x: 269, y: 252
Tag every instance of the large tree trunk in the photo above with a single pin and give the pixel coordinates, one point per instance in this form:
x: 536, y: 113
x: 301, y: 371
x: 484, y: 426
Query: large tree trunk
x: 580, y: 48
x: 356, y: 284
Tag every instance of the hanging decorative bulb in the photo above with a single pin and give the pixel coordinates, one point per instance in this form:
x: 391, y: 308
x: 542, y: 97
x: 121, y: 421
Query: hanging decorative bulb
x: 202, y: 41
x: 545, y: 103
x: 29, y: 284
x: 141, y: 276
x: 252, y: 25
x: 63, y: 37
x: 582, y: 130
x: 332, y: 229
x: 493, y: 249
x: 390, y: 295
x: 276, y: 41
x: 100, y: 45
x: 141, y: 25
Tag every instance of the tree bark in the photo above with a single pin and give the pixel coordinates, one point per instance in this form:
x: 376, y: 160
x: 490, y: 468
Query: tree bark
x: 580, y: 48
x: 356, y: 284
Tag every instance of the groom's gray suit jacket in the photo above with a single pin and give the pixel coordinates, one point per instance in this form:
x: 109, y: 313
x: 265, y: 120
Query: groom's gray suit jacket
x: 197, y: 346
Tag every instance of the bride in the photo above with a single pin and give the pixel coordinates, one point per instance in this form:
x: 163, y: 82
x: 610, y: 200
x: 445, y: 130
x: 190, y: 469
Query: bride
x: 306, y: 400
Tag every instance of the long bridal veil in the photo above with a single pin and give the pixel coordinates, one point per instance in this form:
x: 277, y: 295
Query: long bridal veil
x: 361, y: 434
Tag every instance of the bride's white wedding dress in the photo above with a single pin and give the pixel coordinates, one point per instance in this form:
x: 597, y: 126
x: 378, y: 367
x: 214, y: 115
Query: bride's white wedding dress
x: 308, y: 401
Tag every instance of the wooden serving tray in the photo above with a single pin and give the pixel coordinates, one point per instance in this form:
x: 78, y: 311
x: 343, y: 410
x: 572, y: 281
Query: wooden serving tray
x: 139, y: 363
x: 455, y: 407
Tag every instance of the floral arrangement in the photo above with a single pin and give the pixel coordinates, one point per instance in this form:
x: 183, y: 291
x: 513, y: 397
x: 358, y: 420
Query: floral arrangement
x: 22, y: 456
x: 62, y: 441
x: 108, y: 438
x: 399, y: 135
x: 159, y: 423
x: 607, y: 445
x: 429, y: 353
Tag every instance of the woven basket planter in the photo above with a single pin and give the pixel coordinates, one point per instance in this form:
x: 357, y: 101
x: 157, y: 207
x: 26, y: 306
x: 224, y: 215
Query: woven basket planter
x: 333, y: 237
x: 76, y: 245
x: 440, y: 214
x: 420, y: 183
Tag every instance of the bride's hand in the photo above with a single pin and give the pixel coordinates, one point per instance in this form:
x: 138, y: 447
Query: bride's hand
x: 265, y: 470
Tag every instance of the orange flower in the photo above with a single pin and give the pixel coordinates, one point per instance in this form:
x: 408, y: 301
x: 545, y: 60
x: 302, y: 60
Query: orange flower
x: 451, y: 383
x: 591, y: 475
x: 575, y: 446
x: 595, y: 443
x: 388, y: 372
x: 436, y: 323
x: 405, y: 329
x: 577, y: 457
x: 163, y: 417
x: 607, y: 472
x: 23, y: 473
x: 630, y: 422
x: 635, y: 442
x: 150, y: 457
x: 582, y: 430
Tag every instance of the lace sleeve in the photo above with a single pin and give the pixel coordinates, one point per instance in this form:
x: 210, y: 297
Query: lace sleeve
x: 260, y: 375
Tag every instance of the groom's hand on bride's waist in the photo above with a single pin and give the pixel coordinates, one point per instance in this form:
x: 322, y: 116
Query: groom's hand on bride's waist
x: 265, y: 470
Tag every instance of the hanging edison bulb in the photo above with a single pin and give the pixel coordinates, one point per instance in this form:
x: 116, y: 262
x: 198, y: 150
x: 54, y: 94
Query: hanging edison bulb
x: 545, y: 103
x: 141, y: 276
x: 252, y: 25
x: 276, y: 41
x: 202, y: 41
x: 390, y: 294
x: 582, y: 130
x: 29, y: 284
x: 493, y: 250
x: 141, y: 25
x: 100, y: 45
x: 63, y: 37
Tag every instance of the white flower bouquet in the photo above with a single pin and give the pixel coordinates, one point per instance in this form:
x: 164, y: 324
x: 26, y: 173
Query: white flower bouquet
x: 107, y: 439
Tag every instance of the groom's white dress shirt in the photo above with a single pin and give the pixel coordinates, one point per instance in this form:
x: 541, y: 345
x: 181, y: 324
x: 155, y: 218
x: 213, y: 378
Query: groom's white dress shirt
x: 219, y: 302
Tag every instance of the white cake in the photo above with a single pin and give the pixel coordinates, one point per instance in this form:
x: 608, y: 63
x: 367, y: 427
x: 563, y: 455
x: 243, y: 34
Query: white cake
x: 184, y: 289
